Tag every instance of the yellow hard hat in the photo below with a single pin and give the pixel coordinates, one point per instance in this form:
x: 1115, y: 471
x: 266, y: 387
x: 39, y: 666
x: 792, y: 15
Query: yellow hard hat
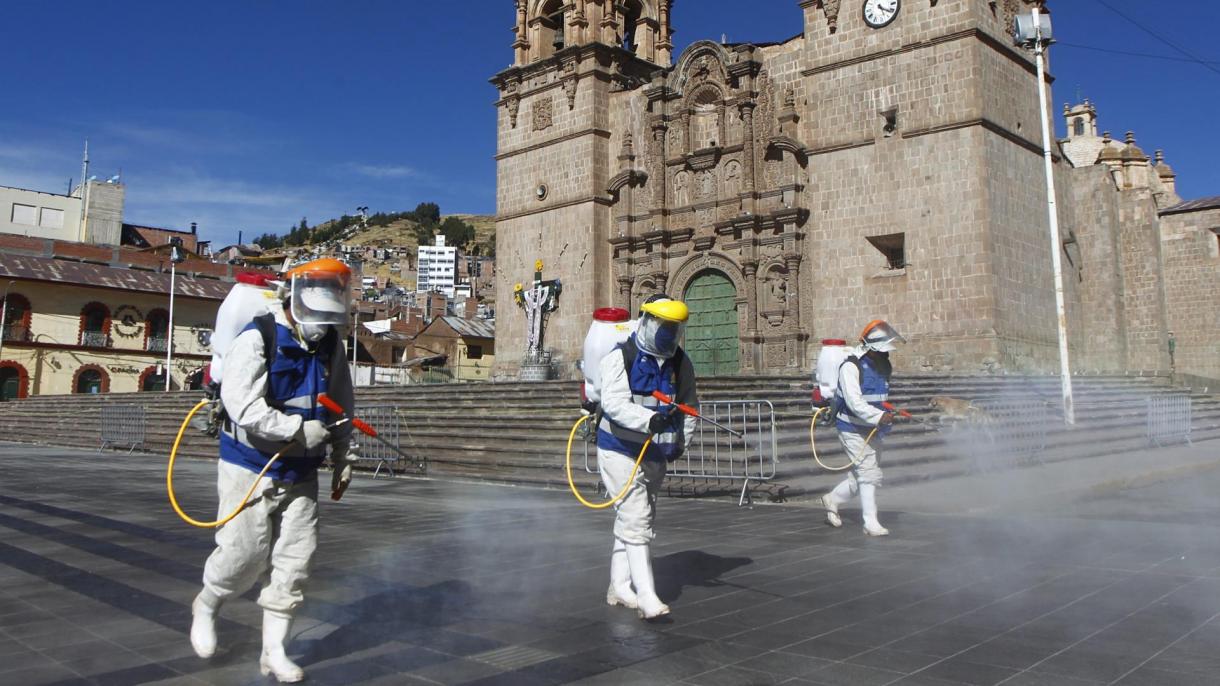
x: 668, y: 310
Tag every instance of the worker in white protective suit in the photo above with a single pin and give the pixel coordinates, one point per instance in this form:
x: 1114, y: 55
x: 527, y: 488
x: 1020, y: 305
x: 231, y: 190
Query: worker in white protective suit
x: 274, y: 371
x: 650, y: 360
x: 864, y: 384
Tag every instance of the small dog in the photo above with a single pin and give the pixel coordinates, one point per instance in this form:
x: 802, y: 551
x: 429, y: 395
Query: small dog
x: 956, y: 409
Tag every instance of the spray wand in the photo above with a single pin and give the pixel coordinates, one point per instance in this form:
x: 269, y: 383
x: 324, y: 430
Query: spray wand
x: 364, y: 428
x: 688, y: 410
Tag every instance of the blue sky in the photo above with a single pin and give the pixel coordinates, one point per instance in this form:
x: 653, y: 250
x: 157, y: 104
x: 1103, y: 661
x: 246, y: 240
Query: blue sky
x: 240, y: 114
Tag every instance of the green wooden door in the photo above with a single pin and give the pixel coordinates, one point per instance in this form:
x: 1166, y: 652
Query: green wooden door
x: 711, y: 333
x: 10, y: 383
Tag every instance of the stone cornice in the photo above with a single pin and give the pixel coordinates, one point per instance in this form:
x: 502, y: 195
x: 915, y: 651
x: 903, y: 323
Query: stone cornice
x: 595, y: 199
x: 598, y: 54
x: 983, y: 37
x: 552, y: 141
x: 985, y: 123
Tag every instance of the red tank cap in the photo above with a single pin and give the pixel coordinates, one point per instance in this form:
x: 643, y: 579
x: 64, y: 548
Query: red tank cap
x: 611, y: 314
x: 255, y: 279
x: 833, y: 341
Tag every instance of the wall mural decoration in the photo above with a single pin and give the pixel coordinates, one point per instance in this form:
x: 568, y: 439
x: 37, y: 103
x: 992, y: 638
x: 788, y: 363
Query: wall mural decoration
x: 128, y: 321
x: 202, y: 331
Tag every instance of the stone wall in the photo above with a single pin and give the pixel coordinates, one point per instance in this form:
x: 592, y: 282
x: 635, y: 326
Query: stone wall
x: 1190, y: 248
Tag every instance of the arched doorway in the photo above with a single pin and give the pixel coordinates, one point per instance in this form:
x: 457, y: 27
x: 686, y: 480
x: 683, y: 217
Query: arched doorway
x: 711, y: 333
x: 14, y: 381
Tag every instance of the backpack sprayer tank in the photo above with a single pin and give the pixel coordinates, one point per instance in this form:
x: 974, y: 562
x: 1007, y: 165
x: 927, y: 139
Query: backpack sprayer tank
x: 253, y: 295
x: 826, y: 374
x: 611, y: 326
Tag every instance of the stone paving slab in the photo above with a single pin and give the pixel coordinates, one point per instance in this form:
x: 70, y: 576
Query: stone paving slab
x: 424, y: 582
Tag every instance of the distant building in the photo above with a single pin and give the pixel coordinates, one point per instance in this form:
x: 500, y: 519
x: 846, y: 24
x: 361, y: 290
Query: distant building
x: 437, y: 266
x: 90, y: 319
x: 90, y: 213
x: 468, y: 347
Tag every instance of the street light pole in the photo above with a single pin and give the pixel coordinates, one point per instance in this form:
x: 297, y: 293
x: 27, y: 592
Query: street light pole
x: 175, y: 256
x: 1039, y: 45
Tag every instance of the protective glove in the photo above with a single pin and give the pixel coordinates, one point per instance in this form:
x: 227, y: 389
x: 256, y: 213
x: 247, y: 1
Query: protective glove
x: 662, y: 421
x: 341, y: 464
x: 313, y: 434
x: 887, y: 418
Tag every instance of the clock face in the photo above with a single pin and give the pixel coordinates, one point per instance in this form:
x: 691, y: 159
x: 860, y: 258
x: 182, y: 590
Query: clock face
x: 878, y: 13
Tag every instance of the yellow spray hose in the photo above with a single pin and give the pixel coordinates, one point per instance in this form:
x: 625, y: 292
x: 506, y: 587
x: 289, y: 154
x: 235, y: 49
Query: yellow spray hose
x: 169, y: 478
x: 626, y: 486
x: 814, y: 446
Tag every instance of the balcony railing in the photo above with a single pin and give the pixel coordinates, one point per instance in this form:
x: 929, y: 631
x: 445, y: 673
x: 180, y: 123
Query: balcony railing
x: 155, y: 345
x: 17, y: 333
x: 95, y: 339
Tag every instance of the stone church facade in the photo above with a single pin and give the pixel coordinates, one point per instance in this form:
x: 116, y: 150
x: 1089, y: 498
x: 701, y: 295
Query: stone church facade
x: 793, y: 191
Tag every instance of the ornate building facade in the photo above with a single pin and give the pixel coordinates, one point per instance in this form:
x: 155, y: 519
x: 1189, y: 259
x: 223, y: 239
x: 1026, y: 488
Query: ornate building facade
x: 875, y: 166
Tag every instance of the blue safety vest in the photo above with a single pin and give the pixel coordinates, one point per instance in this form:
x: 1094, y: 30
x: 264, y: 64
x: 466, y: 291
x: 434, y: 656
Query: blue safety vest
x: 295, y: 377
x: 874, y: 386
x: 644, y: 376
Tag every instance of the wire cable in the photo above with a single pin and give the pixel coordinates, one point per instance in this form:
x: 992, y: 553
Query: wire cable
x: 1204, y: 63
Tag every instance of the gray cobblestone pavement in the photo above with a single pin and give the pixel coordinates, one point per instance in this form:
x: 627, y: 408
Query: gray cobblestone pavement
x: 421, y: 582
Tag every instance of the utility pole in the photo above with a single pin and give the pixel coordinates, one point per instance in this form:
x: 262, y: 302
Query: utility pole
x: 175, y: 256
x: 1038, y: 36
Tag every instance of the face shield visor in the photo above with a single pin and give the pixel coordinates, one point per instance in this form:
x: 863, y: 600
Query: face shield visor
x: 882, y: 337
x: 319, y: 298
x: 659, y: 337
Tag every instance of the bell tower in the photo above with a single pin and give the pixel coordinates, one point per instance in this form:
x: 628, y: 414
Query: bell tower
x: 572, y: 60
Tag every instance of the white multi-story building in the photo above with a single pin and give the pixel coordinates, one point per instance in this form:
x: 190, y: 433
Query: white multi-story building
x: 437, y: 267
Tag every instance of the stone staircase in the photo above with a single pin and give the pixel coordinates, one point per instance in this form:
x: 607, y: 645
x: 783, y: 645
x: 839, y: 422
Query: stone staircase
x: 517, y: 432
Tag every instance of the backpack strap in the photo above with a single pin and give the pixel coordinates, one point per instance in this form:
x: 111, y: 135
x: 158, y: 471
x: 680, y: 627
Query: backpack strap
x: 266, y: 327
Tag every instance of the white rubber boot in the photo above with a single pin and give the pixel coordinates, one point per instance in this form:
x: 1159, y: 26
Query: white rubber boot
x: 274, y: 660
x: 619, y: 592
x: 868, y: 503
x: 831, y: 501
x: 648, y: 605
x: 203, y: 624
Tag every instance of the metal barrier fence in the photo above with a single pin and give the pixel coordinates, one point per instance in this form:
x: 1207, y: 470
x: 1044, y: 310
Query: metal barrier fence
x: 390, y: 425
x: 717, y: 455
x: 122, y: 425
x: 1004, y: 432
x: 1169, y: 418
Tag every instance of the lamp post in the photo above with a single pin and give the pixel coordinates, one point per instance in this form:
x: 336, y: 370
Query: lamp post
x: 176, y: 256
x: 4, y: 318
x: 1035, y: 32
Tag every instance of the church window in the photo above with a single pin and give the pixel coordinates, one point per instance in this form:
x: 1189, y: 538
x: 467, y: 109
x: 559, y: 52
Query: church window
x: 889, y: 120
x: 631, y: 20
x: 551, y: 27
x: 1077, y: 127
x: 892, y: 247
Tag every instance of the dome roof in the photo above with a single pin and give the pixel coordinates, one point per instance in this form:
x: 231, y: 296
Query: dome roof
x: 1131, y: 151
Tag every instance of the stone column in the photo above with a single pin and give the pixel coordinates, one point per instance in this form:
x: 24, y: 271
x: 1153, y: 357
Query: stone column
x: 624, y: 292
x: 749, y: 270
x: 751, y: 167
x: 656, y: 164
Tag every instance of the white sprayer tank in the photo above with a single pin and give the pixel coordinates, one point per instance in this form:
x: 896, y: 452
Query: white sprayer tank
x: 826, y: 375
x: 611, y: 326
x: 251, y: 297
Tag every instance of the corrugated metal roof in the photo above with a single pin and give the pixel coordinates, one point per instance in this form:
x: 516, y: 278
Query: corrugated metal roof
x: 103, y: 276
x: 1208, y: 203
x: 474, y: 328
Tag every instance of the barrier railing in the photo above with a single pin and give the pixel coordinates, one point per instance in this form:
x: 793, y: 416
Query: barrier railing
x: 122, y: 425
x: 1169, y: 419
x: 1005, y: 432
x: 390, y: 425
x: 717, y: 455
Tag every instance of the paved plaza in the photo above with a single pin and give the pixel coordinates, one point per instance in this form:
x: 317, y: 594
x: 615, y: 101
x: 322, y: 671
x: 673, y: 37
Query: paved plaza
x: 422, y: 582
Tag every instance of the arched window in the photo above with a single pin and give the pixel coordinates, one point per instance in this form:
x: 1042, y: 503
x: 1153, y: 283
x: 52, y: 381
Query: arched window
x: 631, y: 21
x: 156, y: 331
x: 16, y: 319
x: 152, y: 379
x: 14, y: 381
x: 95, y: 325
x: 91, y: 379
x: 1078, y: 127
x: 550, y: 22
